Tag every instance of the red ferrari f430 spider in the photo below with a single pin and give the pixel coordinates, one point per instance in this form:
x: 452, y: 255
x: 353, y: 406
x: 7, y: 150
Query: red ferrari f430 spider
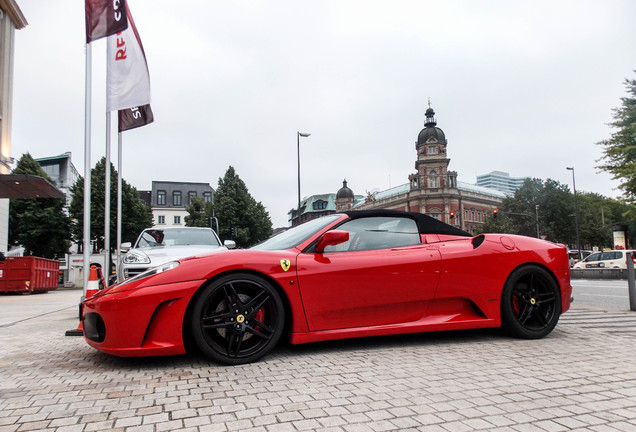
x: 346, y: 275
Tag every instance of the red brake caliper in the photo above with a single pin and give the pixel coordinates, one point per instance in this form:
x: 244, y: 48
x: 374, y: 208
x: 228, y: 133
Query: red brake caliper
x: 259, y: 316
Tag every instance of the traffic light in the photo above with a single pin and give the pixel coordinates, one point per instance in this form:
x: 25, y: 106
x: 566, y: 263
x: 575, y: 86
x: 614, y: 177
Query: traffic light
x: 233, y: 232
x: 494, y: 213
x: 452, y: 215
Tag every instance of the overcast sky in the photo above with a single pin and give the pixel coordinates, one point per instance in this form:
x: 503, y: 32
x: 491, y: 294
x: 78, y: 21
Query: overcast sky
x: 525, y: 87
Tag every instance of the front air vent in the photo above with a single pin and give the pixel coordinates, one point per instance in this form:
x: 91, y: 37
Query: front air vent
x: 94, y: 328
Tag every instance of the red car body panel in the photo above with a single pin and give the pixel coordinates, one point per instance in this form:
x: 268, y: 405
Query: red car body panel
x: 446, y: 283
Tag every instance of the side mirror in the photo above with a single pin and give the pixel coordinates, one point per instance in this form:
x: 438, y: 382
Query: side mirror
x: 230, y: 244
x: 331, y: 238
x: 125, y: 246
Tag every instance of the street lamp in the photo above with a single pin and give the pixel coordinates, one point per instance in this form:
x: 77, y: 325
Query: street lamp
x: 298, y: 135
x: 576, y: 214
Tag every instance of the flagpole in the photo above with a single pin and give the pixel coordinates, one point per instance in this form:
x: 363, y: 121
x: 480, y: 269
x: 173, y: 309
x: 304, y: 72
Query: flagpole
x: 107, y: 255
x: 119, y: 202
x: 87, y: 169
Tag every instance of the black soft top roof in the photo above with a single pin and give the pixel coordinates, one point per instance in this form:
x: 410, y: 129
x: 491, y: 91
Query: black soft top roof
x: 425, y: 224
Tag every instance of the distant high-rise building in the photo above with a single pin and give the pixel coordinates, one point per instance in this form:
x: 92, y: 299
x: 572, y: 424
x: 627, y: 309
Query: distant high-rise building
x: 500, y: 181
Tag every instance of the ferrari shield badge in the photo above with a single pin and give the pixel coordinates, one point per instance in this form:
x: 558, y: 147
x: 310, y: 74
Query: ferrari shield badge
x: 285, y: 264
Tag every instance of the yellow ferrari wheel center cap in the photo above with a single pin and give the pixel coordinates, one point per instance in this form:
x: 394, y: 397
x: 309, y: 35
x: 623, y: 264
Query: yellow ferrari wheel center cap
x: 240, y: 318
x: 533, y: 301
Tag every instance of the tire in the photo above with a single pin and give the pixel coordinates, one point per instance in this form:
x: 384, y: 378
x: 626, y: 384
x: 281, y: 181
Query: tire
x: 237, y: 319
x: 530, y: 303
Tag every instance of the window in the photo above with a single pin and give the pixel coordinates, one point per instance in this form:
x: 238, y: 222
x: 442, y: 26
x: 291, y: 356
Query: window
x: 432, y: 150
x: 320, y: 205
x: 377, y: 233
x: 207, y: 197
x: 176, y: 198
x: 161, y: 220
x: 177, y: 220
x: 433, y: 180
x: 191, y: 195
x: 594, y: 257
x: 161, y: 198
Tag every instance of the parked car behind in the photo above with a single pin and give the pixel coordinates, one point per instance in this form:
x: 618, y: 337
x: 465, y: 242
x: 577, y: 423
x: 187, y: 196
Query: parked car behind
x: 606, y: 259
x: 159, y: 245
x: 576, y: 257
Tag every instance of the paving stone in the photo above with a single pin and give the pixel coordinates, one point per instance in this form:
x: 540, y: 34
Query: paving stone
x: 574, y: 380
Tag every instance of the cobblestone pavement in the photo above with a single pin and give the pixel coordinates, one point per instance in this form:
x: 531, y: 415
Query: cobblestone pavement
x: 581, y: 377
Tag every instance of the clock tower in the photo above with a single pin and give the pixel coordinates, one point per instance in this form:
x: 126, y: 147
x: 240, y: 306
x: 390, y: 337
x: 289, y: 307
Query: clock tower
x: 432, y: 160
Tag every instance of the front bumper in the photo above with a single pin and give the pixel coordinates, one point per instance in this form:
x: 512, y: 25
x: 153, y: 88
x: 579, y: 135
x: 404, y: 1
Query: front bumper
x: 144, y: 321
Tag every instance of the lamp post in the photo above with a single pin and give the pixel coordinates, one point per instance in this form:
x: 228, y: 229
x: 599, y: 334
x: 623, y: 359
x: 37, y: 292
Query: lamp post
x: 298, y: 135
x: 576, y: 214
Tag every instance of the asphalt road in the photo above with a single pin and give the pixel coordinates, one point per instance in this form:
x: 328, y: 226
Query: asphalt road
x: 611, y: 294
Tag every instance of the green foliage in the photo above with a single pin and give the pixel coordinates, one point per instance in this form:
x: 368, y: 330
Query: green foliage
x: 38, y: 224
x: 597, y: 215
x: 235, y: 207
x: 619, y: 156
x: 199, y: 213
x: 136, y: 215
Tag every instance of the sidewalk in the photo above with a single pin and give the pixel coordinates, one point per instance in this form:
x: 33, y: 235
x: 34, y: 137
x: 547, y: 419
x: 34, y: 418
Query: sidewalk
x: 581, y: 377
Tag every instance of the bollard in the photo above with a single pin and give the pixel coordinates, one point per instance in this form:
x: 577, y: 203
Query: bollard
x: 630, y: 280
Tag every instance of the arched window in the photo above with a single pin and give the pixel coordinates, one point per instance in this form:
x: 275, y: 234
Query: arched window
x: 433, y: 179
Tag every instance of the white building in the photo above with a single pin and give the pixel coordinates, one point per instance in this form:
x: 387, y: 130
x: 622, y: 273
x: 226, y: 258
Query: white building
x: 169, y: 200
x: 500, y: 181
x: 11, y: 18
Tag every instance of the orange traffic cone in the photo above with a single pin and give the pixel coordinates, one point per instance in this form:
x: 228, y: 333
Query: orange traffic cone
x: 93, y: 286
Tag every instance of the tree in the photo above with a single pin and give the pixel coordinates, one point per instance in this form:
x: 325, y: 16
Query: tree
x: 619, y: 156
x: 597, y: 215
x: 556, y: 211
x: 136, y: 215
x: 199, y: 213
x: 236, y: 209
x: 39, y: 224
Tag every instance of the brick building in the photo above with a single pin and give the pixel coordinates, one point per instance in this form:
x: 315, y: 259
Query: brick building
x: 433, y: 189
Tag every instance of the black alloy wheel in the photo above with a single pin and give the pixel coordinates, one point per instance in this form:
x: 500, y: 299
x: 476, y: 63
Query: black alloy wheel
x: 530, y: 303
x: 237, y: 319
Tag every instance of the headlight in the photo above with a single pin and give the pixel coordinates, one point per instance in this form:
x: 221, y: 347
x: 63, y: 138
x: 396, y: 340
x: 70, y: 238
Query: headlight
x: 136, y: 257
x: 153, y: 271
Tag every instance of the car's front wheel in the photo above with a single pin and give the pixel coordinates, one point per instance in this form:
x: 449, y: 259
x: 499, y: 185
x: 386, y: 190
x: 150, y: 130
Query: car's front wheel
x: 530, y: 303
x: 237, y: 319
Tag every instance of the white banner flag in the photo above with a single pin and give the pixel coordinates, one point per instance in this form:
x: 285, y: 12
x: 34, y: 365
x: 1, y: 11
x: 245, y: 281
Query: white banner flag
x: 127, y: 77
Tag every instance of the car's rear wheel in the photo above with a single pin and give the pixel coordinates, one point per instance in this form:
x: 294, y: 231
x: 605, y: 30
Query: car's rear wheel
x: 237, y: 319
x: 530, y: 303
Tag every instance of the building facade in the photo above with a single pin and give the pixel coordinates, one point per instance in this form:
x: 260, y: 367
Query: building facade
x: 433, y: 189
x: 317, y: 206
x: 11, y: 19
x: 62, y: 171
x: 169, y: 200
x: 500, y: 181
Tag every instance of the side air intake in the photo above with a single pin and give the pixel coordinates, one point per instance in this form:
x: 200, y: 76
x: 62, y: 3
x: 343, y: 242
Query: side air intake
x: 477, y: 241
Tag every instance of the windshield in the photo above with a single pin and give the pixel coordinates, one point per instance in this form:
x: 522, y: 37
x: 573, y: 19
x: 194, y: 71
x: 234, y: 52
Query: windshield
x: 177, y: 237
x: 295, y: 236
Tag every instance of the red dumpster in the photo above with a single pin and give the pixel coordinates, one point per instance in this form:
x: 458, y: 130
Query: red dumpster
x: 3, y: 275
x: 29, y: 274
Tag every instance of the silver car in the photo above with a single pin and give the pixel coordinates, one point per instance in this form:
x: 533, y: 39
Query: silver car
x: 158, y: 245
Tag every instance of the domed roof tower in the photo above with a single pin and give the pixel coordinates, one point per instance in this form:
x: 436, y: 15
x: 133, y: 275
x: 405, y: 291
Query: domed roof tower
x: 344, y: 191
x: 344, y: 198
x: 432, y: 160
x: 431, y: 133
